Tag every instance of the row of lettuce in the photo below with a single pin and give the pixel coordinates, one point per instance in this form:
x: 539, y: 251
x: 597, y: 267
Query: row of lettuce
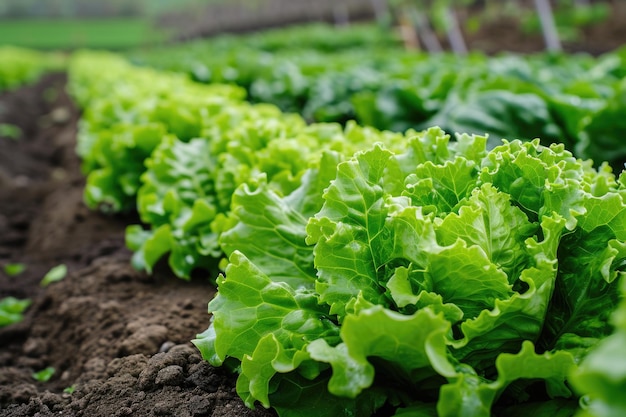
x: 576, y: 100
x: 362, y: 73
x: 367, y: 271
x: 21, y: 66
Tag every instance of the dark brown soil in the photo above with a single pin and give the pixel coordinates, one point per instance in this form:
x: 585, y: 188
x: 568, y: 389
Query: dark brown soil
x: 119, y: 337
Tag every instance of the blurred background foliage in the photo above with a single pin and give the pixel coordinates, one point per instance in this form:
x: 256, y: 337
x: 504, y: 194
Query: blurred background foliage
x: 431, y: 25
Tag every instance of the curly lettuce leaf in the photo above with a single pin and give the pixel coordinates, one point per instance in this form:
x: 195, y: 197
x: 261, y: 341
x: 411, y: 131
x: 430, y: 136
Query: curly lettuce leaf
x: 270, y: 229
x: 540, y: 180
x: 254, y: 316
x: 352, y: 217
x: 591, y: 259
x: 119, y: 154
x: 177, y: 200
x: 469, y: 394
x: 440, y: 188
x: 409, y: 344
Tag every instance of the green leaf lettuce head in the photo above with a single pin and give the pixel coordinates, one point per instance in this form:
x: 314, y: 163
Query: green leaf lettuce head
x: 443, y: 279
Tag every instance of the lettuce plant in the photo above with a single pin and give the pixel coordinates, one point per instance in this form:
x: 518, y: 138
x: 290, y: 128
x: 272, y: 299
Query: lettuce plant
x: 22, y: 66
x: 188, y: 187
x: 575, y: 99
x: 128, y: 112
x: 442, y: 279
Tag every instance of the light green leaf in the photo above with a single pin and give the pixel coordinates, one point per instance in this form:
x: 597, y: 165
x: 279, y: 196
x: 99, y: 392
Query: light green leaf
x: 491, y: 222
x: 254, y: 317
x: 270, y: 231
x: 283, y: 310
x: 14, y: 269
x: 608, y: 211
x: 530, y: 173
x: 585, y: 291
x: 154, y: 244
x: 469, y: 395
x: 55, y: 274
x: 44, y: 375
x: 269, y: 357
x: 11, y: 310
x: 349, y: 225
x: 520, y: 317
x: 406, y: 343
x: 440, y: 188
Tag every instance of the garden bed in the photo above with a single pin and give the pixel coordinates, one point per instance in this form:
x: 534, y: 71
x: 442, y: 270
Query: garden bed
x: 118, y: 339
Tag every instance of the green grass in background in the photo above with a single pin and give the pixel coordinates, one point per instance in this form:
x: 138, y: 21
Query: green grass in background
x: 117, y: 33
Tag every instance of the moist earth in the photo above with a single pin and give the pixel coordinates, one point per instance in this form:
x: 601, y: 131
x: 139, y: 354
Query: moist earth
x: 119, y: 339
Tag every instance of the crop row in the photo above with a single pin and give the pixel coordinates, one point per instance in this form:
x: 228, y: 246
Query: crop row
x: 572, y: 99
x: 19, y: 66
x: 366, y: 270
x: 177, y: 151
